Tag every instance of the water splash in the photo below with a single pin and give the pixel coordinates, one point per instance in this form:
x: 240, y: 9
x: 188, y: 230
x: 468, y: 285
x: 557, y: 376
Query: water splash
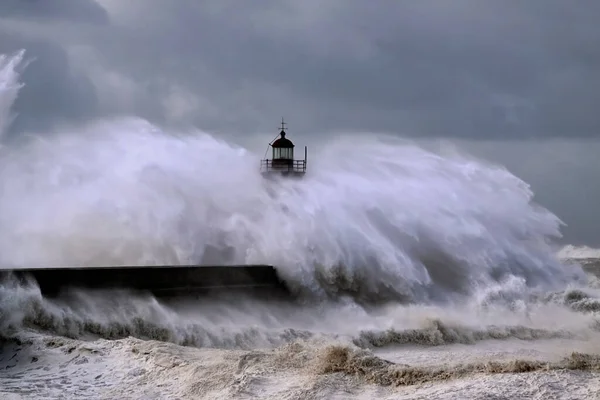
x: 9, y: 87
x: 374, y: 215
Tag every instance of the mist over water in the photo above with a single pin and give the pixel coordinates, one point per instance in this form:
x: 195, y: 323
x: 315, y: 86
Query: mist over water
x: 374, y: 216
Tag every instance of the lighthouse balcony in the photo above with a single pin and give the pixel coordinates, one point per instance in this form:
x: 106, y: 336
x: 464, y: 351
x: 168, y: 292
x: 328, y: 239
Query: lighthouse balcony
x: 283, y: 166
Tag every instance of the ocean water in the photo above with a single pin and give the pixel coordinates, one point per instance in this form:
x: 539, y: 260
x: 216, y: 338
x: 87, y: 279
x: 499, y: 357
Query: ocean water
x: 421, y: 274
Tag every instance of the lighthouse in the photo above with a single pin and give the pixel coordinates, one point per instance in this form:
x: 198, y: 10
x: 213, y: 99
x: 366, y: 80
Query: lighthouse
x: 282, y: 161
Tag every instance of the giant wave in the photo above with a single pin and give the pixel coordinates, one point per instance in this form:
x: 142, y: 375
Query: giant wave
x: 375, y: 216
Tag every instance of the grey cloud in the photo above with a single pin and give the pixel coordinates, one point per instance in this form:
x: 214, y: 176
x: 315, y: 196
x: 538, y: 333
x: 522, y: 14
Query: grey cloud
x: 467, y: 69
x: 52, y: 92
x: 76, y: 11
x: 473, y: 69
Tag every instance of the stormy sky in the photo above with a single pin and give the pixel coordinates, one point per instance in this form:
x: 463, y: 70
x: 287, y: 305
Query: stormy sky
x: 516, y: 82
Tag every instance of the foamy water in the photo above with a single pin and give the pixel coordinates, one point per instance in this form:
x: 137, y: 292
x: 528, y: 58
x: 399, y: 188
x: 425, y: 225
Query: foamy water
x: 458, y: 244
x: 578, y: 252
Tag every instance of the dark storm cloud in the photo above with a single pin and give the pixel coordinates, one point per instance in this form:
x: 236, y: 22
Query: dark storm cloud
x: 465, y: 68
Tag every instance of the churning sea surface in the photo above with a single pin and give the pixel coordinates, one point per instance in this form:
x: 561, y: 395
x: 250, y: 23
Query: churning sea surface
x: 420, y: 275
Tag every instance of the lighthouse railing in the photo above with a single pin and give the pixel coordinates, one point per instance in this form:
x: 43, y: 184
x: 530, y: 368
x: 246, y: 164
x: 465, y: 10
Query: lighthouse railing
x: 282, y: 165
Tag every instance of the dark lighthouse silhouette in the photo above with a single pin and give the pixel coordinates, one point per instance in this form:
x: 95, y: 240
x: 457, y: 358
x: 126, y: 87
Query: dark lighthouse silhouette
x: 282, y: 160
x: 172, y: 280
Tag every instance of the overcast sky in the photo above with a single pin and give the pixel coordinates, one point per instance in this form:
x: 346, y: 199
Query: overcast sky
x: 517, y: 82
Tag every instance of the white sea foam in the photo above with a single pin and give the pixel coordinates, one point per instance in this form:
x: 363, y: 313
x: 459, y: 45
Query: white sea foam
x: 571, y: 252
x: 374, y: 215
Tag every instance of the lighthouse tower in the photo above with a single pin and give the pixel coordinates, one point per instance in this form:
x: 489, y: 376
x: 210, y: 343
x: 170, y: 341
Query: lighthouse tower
x: 282, y: 161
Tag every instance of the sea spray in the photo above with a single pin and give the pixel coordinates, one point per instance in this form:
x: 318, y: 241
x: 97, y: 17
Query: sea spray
x: 9, y: 87
x: 374, y: 216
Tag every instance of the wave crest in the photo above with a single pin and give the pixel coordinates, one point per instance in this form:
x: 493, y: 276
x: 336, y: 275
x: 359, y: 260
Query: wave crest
x: 374, y: 217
